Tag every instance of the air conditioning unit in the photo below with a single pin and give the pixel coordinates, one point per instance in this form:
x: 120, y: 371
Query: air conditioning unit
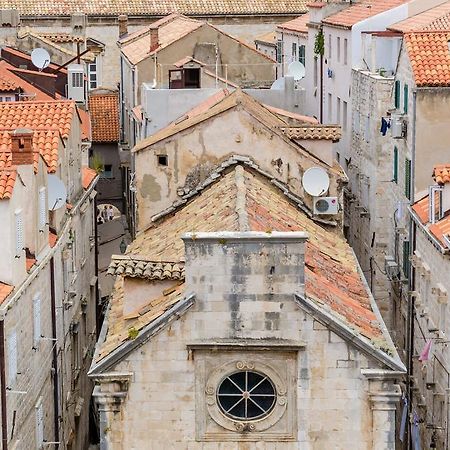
x: 391, y: 268
x: 326, y: 205
x: 398, y: 127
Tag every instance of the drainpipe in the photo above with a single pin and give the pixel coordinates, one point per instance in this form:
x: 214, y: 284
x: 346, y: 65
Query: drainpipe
x: 3, y: 387
x: 55, y: 354
x: 411, y: 283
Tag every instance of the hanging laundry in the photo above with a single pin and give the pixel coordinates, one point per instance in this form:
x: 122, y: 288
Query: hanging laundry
x: 404, y: 417
x: 426, y: 352
x: 415, y: 432
x: 385, y: 125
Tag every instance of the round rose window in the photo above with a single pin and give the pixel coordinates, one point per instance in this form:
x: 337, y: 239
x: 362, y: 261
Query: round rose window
x: 246, y: 395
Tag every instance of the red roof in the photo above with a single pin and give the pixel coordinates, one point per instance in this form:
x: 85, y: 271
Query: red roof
x: 5, y: 290
x: 88, y: 176
x: 104, y: 112
x: 441, y: 174
x: 52, y: 239
x: 298, y: 24
x: 429, y: 56
x: 360, y: 11
x: 7, y: 180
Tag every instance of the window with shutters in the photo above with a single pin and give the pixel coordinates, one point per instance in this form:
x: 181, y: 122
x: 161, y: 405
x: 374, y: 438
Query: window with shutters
x: 36, y: 320
x: 12, y: 357
x: 302, y: 54
x: 42, y: 209
x: 279, y: 51
x: 408, y: 178
x: 405, y: 99
x: 397, y: 94
x: 39, y: 411
x: 20, y: 244
x: 395, y: 166
x: 344, y: 115
x: 294, y: 51
x: 406, y: 262
x: 338, y: 49
x: 345, y: 52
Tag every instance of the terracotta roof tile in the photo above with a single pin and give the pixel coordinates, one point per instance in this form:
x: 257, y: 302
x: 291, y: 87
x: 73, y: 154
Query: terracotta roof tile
x: 7, y: 180
x: 141, y: 268
x: 5, y: 290
x: 136, y: 46
x: 33, y: 92
x: 8, y: 85
x: 52, y: 239
x: 121, y: 327
x: 360, y: 11
x: 429, y: 56
x: 436, y: 18
x: 439, y: 229
x: 89, y: 176
x: 104, y: 112
x: 441, y: 174
x: 298, y: 24
x: 38, y: 115
x: 45, y: 142
x: 154, y: 7
x: 29, y: 263
x: 332, y: 275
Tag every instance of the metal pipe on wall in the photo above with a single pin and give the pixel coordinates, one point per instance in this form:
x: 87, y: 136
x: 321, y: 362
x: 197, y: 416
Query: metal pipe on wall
x: 3, y: 387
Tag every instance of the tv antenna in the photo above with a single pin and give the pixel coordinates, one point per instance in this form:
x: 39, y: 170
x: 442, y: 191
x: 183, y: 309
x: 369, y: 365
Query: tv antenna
x: 57, y: 193
x: 316, y: 181
x: 297, y: 70
x: 40, y: 58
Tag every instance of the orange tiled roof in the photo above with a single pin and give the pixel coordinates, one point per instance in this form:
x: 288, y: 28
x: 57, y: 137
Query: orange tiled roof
x: 104, y: 112
x: 441, y: 173
x: 298, y: 24
x: 85, y: 123
x: 438, y: 229
x: 52, y: 238
x: 27, y: 88
x: 7, y: 180
x: 429, y: 56
x: 149, y: 8
x: 88, y: 176
x: 5, y: 290
x: 332, y: 275
x: 38, y: 115
x: 436, y: 18
x: 360, y: 11
x: 136, y: 46
x: 45, y: 142
x: 8, y: 85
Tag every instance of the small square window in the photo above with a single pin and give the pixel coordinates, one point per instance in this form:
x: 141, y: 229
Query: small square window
x: 107, y: 171
x: 163, y: 160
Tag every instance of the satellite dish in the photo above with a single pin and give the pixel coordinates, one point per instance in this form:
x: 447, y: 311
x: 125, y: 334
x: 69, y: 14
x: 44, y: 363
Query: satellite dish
x: 297, y: 70
x: 316, y: 181
x: 40, y: 58
x: 278, y: 85
x: 57, y: 193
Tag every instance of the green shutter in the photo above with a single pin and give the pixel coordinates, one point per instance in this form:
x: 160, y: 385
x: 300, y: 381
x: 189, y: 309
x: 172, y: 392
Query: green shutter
x: 279, y: 51
x: 405, y: 99
x: 406, y: 262
x: 302, y: 54
x: 395, y: 171
x: 397, y: 94
x: 408, y: 178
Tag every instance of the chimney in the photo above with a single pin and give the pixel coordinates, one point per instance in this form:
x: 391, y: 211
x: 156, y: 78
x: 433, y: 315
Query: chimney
x: 22, y: 147
x: 248, y: 279
x: 154, y: 40
x: 123, y: 25
x: 441, y: 175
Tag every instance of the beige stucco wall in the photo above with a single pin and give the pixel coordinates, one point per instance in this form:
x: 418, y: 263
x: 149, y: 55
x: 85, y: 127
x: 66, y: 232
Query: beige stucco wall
x: 194, y: 152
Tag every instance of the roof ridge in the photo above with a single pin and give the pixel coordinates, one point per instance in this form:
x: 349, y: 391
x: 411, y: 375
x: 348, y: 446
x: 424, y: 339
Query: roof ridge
x: 241, y: 198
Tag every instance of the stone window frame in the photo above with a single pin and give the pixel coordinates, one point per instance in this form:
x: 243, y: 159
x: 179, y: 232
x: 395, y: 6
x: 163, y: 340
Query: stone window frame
x: 278, y: 426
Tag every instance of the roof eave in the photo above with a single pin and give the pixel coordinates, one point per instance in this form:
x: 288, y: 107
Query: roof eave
x: 144, y: 335
x: 360, y: 342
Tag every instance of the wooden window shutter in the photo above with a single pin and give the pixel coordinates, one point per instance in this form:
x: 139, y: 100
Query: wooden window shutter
x: 405, y: 99
x: 397, y: 94
x: 12, y: 358
x: 406, y: 262
x: 408, y: 178
x: 37, y: 320
x: 20, y: 244
x: 42, y: 208
x: 395, y: 168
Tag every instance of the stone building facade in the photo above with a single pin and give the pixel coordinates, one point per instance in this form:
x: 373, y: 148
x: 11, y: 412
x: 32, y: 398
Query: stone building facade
x: 49, y: 288
x: 245, y: 302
